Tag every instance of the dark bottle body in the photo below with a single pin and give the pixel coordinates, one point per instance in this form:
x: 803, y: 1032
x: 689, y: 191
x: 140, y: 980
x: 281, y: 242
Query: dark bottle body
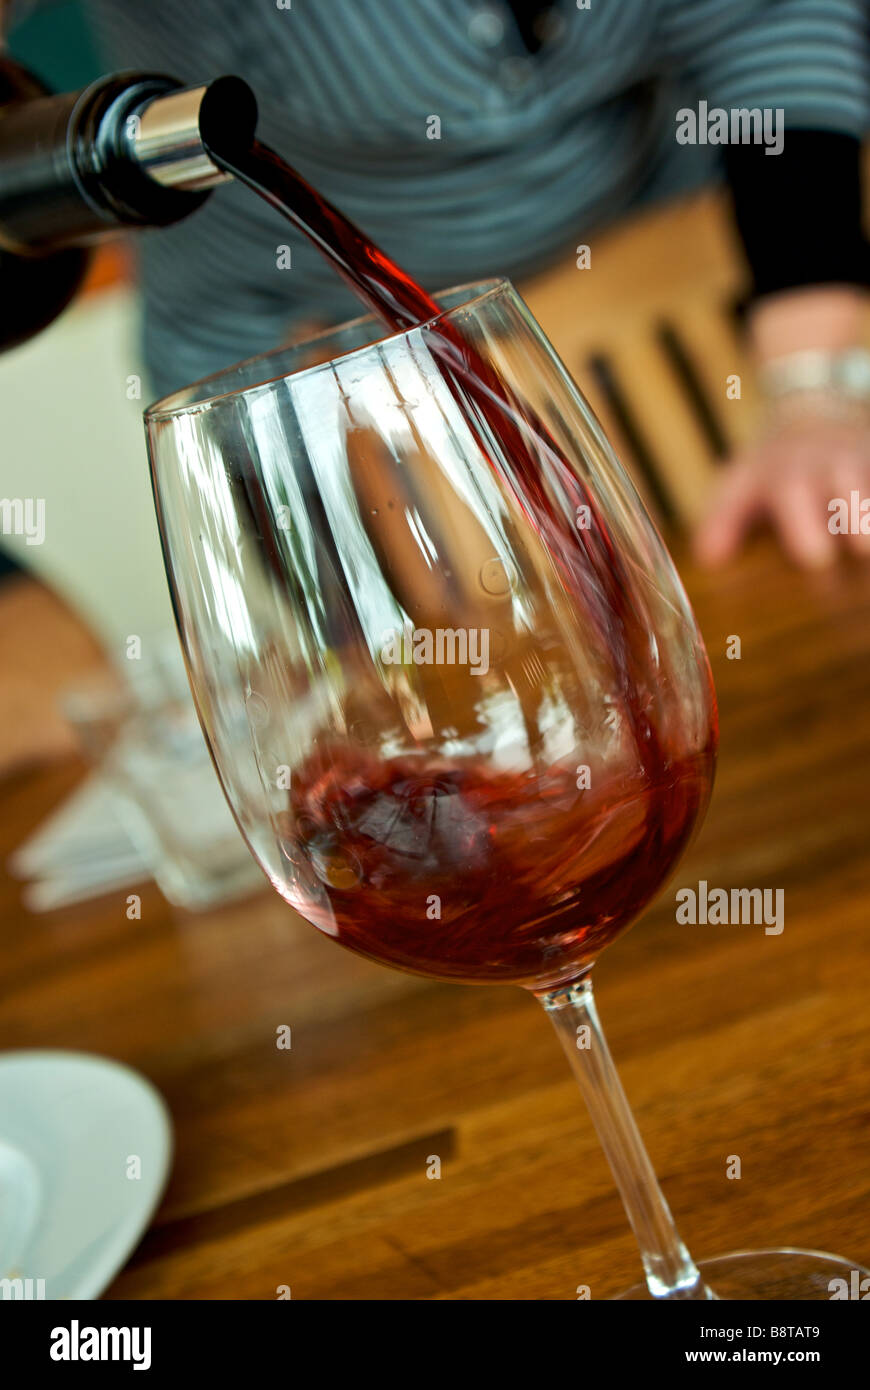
x: 34, y: 287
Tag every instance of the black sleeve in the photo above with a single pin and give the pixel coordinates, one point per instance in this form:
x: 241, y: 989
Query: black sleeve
x: 799, y: 212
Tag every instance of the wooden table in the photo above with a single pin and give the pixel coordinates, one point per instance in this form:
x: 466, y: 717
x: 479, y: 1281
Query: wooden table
x: 308, y: 1167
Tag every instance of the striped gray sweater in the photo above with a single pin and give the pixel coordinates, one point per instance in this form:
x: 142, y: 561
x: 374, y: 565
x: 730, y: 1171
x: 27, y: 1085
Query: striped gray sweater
x: 535, y: 151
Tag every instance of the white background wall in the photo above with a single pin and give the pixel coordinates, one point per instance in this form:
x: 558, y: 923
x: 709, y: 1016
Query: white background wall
x: 69, y: 434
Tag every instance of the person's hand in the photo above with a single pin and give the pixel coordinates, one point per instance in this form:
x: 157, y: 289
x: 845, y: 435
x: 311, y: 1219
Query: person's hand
x: 814, y: 446
x: 789, y: 478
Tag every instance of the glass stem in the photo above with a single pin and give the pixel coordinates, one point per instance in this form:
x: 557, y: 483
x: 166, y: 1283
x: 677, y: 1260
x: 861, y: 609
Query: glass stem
x: 669, y: 1268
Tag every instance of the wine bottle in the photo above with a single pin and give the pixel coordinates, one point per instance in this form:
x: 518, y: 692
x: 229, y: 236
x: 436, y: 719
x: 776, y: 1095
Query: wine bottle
x: 124, y: 152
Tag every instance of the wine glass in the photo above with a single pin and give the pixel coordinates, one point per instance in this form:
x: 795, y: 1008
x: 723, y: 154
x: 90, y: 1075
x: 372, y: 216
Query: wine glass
x: 450, y: 681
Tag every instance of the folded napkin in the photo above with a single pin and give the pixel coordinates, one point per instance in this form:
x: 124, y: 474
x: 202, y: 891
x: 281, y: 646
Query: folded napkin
x: 81, y: 850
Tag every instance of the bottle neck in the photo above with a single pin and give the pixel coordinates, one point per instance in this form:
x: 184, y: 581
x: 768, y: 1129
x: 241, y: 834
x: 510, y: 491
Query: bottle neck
x: 124, y: 152
x: 66, y: 175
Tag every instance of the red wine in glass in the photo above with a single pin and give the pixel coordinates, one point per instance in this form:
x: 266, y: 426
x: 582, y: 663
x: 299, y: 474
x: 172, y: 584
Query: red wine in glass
x: 467, y: 874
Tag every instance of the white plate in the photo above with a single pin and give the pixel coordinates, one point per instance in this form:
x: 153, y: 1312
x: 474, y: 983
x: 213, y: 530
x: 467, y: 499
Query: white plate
x: 71, y: 1129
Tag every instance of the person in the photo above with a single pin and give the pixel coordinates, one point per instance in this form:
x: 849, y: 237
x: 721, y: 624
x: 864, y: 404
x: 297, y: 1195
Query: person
x: 474, y: 138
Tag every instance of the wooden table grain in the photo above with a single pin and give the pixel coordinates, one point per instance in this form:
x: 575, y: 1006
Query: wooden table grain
x: 309, y: 1167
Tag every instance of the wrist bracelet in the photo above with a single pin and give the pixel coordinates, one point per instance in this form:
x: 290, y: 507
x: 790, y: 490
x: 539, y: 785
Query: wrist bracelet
x: 845, y: 373
x: 830, y: 403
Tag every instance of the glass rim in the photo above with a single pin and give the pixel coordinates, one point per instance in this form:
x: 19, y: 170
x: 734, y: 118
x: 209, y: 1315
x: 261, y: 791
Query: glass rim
x: 164, y: 409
